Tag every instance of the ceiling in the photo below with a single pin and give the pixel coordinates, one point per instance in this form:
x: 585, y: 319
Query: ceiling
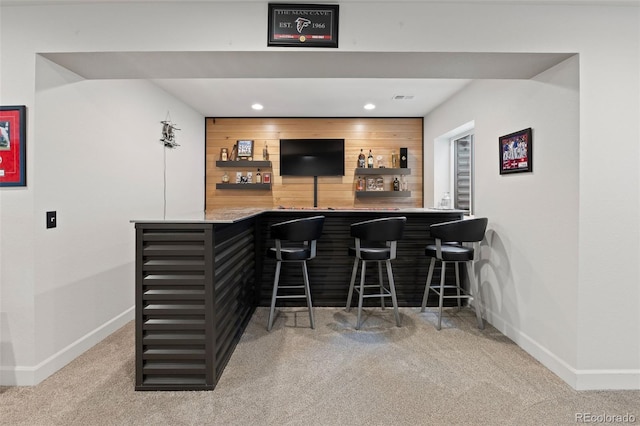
x: 308, y: 83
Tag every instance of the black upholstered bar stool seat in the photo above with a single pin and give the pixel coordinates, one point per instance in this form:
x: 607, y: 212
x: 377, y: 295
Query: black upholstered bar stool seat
x: 295, y: 241
x: 375, y: 241
x: 455, y: 242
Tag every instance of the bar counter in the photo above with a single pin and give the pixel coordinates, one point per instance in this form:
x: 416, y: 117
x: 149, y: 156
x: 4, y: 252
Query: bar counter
x: 199, y: 278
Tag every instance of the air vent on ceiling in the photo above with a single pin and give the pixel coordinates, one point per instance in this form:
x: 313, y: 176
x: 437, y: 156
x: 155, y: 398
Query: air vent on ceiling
x: 402, y: 97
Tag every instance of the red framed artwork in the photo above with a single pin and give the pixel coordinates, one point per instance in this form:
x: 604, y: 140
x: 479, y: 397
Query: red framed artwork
x: 516, y: 152
x: 13, y: 146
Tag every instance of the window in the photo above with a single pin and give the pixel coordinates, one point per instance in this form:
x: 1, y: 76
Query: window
x: 463, y: 172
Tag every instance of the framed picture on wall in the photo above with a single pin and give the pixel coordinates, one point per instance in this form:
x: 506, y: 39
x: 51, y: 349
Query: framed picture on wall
x: 245, y: 149
x: 13, y: 146
x: 303, y: 25
x: 516, y: 152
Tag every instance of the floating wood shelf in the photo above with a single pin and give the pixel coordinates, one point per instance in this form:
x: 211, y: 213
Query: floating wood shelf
x: 244, y: 186
x: 382, y: 194
x: 383, y: 171
x: 244, y: 164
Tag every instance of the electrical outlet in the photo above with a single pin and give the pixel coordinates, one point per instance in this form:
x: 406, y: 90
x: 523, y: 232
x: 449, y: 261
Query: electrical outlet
x: 52, y: 220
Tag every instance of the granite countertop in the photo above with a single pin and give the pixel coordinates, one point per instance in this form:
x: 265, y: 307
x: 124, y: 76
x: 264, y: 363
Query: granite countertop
x: 232, y: 215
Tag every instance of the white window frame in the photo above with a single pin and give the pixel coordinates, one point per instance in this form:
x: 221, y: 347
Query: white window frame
x: 443, y: 163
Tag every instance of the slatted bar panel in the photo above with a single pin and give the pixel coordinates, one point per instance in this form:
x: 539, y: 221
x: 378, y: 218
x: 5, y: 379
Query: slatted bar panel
x: 188, y: 317
x: 330, y: 271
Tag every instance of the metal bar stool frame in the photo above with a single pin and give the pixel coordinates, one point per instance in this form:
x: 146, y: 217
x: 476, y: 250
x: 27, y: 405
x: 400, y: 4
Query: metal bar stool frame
x: 375, y: 241
x: 306, y: 231
x: 455, y: 242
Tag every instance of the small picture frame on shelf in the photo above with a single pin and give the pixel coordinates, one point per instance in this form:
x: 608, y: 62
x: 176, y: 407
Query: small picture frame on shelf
x: 371, y: 184
x: 266, y: 177
x: 224, y: 154
x: 238, y: 177
x: 249, y: 177
x: 245, y: 149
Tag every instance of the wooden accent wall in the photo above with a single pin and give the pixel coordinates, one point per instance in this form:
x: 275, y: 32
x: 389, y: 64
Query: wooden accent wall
x: 381, y: 135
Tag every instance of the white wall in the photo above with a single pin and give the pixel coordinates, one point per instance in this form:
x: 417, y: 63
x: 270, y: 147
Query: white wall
x: 598, y: 295
x: 96, y: 158
x: 529, y: 261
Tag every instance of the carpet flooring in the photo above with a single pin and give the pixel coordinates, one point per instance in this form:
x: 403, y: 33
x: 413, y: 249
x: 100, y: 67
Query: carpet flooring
x: 333, y: 375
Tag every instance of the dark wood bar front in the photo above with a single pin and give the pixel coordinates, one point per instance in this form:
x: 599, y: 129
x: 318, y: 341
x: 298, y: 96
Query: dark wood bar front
x: 199, y: 280
x: 330, y: 271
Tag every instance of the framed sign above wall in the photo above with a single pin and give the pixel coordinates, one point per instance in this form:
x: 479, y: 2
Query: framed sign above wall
x: 300, y: 25
x: 13, y: 146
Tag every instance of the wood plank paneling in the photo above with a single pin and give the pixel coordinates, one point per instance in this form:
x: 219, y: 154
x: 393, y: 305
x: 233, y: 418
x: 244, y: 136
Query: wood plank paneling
x: 380, y: 135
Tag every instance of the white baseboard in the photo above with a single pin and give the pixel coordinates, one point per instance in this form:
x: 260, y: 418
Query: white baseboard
x: 609, y: 379
x: 31, y: 376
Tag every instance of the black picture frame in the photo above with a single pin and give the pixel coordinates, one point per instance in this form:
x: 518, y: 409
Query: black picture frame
x: 303, y: 25
x: 515, y: 152
x: 245, y: 149
x: 13, y: 146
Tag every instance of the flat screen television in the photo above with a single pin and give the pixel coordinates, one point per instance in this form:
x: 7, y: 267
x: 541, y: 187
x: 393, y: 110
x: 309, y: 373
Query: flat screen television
x: 311, y: 157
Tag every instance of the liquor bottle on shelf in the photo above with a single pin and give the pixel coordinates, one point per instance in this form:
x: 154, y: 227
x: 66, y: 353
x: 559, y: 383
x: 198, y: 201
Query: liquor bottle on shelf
x: 258, y: 177
x: 265, y: 152
x: 396, y: 184
x: 360, y: 184
x: 370, y: 160
x: 361, y: 159
x: 394, y: 159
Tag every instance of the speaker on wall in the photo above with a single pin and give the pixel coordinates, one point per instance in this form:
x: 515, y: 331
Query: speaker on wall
x: 403, y: 158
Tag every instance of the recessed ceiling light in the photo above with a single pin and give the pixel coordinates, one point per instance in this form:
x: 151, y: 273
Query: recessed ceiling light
x: 369, y: 106
x: 257, y: 107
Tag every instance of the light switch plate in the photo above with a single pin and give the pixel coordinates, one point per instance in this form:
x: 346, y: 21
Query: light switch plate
x: 52, y: 220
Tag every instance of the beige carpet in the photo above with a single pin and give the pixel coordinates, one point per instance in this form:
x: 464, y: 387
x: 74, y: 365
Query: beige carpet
x: 334, y: 375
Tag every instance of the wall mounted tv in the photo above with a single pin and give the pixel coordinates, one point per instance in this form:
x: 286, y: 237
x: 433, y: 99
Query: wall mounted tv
x: 312, y: 157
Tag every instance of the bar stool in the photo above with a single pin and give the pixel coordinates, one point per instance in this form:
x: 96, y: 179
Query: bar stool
x: 455, y: 242
x: 295, y: 241
x: 375, y: 241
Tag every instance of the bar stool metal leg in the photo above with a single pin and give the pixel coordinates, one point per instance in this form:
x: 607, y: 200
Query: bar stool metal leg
x: 475, y: 292
x: 274, y: 295
x: 441, y: 300
x: 458, y: 284
x: 354, y: 272
x: 427, y: 287
x: 307, y: 292
x: 381, y: 284
x: 361, y: 295
x: 392, y: 289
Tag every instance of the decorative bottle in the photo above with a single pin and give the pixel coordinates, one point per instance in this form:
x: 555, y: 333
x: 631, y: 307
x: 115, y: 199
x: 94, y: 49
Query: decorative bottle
x: 446, y: 201
x: 396, y: 184
x: 394, y: 159
x: 404, y: 186
x: 370, y: 160
x: 265, y: 152
x: 361, y: 159
x: 258, y: 177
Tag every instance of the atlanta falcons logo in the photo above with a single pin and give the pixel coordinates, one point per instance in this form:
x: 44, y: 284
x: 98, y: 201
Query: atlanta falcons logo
x: 302, y: 23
